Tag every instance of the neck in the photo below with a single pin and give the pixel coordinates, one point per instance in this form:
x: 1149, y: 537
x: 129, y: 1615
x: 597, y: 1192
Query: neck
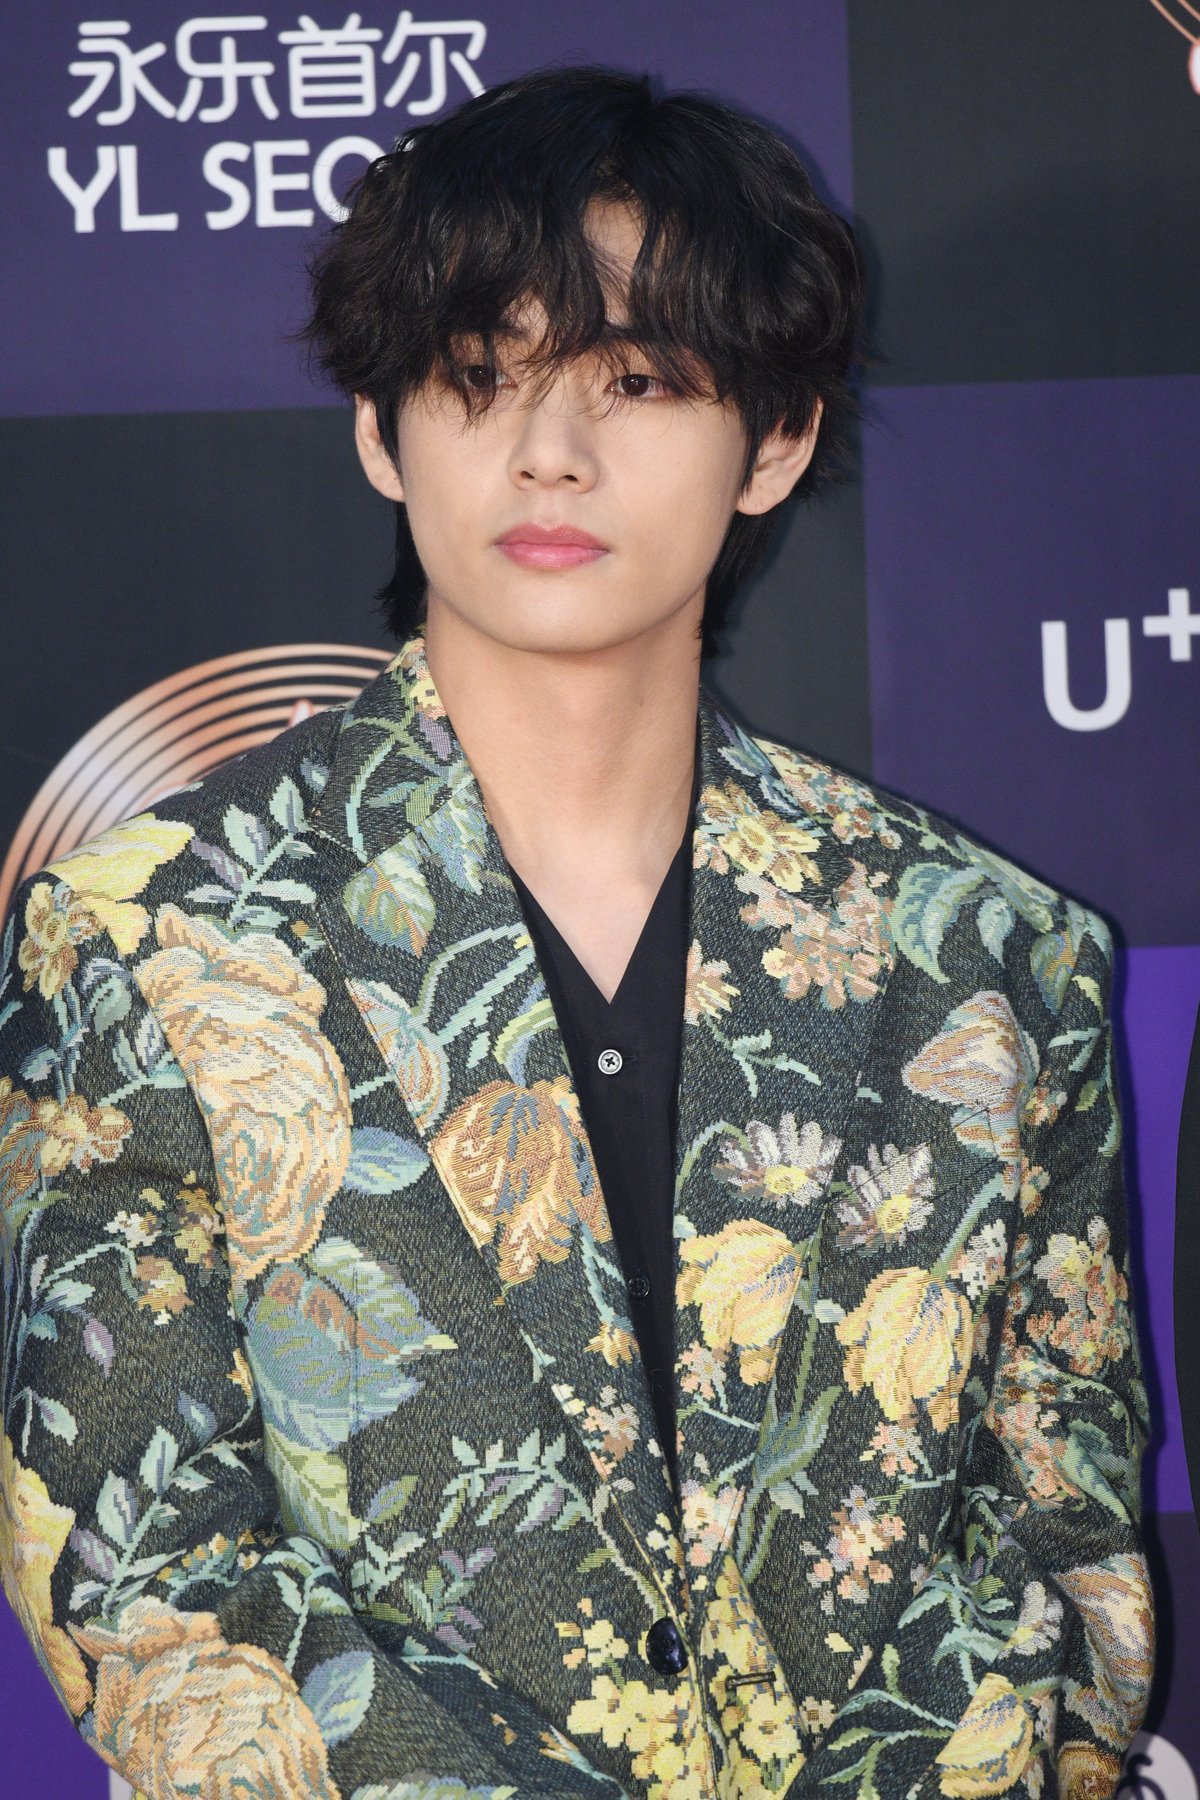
x: 584, y: 758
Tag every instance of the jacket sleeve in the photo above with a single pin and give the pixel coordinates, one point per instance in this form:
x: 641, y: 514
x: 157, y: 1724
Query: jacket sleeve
x: 1050, y: 1482
x: 199, y: 1640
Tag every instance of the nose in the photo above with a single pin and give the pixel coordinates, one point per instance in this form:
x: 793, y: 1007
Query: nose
x: 554, y: 443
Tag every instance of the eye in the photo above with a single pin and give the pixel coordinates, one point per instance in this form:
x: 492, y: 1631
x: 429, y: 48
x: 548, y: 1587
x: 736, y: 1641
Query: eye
x: 645, y: 381
x: 479, y: 376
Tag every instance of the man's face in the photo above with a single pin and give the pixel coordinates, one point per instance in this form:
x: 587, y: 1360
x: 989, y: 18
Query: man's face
x: 653, y: 476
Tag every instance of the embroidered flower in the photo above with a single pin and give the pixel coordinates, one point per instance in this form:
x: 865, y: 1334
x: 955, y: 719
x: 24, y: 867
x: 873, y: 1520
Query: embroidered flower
x: 980, y: 1263
x: 242, y: 1016
x: 1085, y: 1772
x: 853, y: 1555
x: 890, y: 1200
x: 789, y: 1166
x: 984, y: 1063
x: 33, y: 1535
x: 841, y: 953
x: 742, y: 1278
x: 1116, y: 1603
x: 700, y: 1371
x: 513, y: 1160
x: 181, y: 1711
x: 55, y: 922
x: 759, y: 841
x: 107, y: 873
x: 897, y: 1449
x: 850, y: 808
x: 989, y: 1748
x: 910, y: 1341
x: 705, y: 1516
x: 706, y: 992
x: 613, y: 1342
x: 163, y: 1288
x: 20, y: 1142
x: 76, y: 1135
x: 139, y: 1230
x: 610, y: 1431
x: 1094, y: 1328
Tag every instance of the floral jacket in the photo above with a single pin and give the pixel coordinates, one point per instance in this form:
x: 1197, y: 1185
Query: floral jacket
x: 328, y: 1464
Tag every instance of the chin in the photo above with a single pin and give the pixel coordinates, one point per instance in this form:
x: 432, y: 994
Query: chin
x: 551, y: 626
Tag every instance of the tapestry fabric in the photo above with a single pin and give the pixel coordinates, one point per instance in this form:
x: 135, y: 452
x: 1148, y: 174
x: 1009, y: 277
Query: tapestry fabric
x: 328, y: 1462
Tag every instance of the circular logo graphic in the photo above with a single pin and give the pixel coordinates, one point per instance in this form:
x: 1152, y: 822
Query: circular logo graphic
x: 176, y: 731
x: 1155, y: 1770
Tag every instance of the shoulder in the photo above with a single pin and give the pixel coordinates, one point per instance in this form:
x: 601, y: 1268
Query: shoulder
x: 959, y: 912
x: 203, y: 842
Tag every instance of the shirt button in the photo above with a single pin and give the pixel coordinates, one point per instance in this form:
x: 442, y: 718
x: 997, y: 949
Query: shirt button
x: 609, y: 1062
x: 665, y: 1651
x: 639, y: 1286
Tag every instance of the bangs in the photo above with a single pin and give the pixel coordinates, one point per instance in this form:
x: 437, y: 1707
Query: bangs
x: 592, y: 309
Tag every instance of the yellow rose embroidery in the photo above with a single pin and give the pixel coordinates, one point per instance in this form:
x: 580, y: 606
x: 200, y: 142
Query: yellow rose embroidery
x: 909, y: 1340
x: 33, y: 1534
x: 106, y: 874
x: 742, y: 1278
x: 243, y: 1018
x: 509, y: 1156
x: 181, y: 1711
x: 990, y: 1748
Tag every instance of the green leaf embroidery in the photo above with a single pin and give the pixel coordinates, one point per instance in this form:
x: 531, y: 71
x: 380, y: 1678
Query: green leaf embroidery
x: 390, y: 901
x: 338, y: 1692
x: 927, y: 903
x: 313, y: 1491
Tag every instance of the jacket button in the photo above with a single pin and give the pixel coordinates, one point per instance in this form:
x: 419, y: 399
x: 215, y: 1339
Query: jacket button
x: 665, y: 1649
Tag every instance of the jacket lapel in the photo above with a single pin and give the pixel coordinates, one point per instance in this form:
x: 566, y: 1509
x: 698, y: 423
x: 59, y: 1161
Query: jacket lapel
x: 427, y: 927
x: 790, y: 954
x: 426, y: 924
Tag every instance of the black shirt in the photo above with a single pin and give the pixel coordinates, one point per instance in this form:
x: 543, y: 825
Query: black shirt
x: 629, y: 1100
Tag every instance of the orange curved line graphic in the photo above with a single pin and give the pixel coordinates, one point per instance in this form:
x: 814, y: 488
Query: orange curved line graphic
x: 174, y: 732
x: 80, y: 807
x: 1189, y: 35
x: 170, y: 697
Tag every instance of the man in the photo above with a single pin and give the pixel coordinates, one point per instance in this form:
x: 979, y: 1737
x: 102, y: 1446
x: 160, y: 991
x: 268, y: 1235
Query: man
x: 555, y: 1245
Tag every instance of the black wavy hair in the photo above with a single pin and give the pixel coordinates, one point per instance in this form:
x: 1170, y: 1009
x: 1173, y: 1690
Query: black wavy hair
x: 747, y: 286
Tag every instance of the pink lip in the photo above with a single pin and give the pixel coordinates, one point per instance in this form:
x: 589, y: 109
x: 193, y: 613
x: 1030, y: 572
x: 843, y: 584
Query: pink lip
x: 532, y: 555
x: 550, y: 546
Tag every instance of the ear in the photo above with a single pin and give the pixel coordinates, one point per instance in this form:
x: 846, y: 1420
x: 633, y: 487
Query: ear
x: 380, y: 470
x: 781, y: 462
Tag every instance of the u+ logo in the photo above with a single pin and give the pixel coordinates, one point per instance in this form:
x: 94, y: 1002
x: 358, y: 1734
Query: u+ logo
x: 1179, y: 625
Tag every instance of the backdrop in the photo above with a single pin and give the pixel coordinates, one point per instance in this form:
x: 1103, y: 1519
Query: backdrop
x: 996, y: 619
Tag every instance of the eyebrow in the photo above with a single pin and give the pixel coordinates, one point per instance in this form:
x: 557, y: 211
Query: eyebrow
x: 613, y: 332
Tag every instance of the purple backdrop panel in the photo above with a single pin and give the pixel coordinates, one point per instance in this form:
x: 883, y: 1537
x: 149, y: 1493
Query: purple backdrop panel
x: 1033, y: 585
x: 1174, y: 1717
x: 165, y: 173
x: 43, y: 1757
x: 1158, y: 997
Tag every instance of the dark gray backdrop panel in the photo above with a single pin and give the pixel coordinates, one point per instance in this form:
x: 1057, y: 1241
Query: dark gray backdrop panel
x: 1029, y: 179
